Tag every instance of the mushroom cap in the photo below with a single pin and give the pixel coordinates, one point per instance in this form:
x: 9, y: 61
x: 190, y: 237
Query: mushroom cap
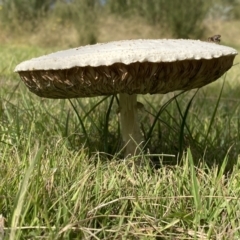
x: 129, y: 66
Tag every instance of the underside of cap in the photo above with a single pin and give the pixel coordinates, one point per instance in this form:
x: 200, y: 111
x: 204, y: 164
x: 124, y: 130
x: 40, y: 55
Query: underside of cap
x: 134, y: 78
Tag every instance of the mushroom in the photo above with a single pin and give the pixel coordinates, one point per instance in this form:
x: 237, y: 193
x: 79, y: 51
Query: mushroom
x: 127, y: 68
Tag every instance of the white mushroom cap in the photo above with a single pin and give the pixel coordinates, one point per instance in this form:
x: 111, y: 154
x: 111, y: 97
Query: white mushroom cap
x: 130, y: 66
x: 127, y: 52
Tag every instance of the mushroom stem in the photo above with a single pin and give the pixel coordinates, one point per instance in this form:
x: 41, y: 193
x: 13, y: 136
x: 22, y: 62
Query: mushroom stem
x: 131, y: 132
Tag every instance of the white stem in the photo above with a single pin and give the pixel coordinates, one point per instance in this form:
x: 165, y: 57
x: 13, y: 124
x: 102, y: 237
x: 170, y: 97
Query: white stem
x: 131, y: 132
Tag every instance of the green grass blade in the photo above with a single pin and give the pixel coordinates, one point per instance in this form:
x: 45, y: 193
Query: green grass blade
x: 214, y: 112
x: 183, y: 123
x: 106, y: 124
x: 81, y: 123
x: 19, y: 202
x: 223, y: 167
x: 194, y: 187
x: 94, y: 107
x: 162, y: 108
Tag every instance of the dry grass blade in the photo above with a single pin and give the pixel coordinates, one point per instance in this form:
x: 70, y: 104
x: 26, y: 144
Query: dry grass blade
x: 1, y: 227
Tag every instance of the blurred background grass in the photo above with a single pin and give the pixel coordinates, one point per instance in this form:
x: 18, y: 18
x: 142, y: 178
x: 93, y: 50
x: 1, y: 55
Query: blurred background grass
x: 62, y: 23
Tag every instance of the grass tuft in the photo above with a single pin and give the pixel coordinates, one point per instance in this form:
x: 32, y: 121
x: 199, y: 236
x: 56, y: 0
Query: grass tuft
x: 62, y: 175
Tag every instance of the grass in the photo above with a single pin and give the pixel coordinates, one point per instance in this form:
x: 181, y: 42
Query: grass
x: 61, y: 179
